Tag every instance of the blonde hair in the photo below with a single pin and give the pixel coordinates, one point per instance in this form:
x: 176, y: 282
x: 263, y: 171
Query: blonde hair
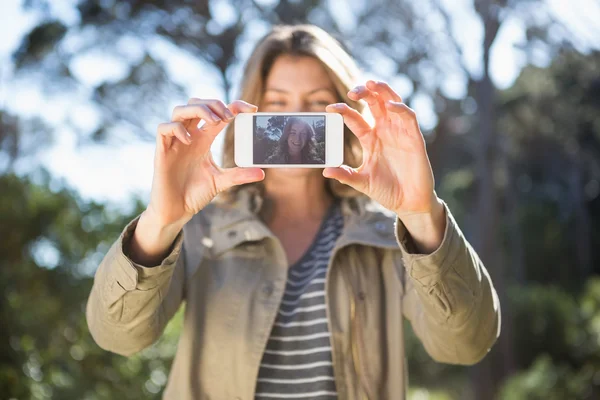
x: 299, y: 40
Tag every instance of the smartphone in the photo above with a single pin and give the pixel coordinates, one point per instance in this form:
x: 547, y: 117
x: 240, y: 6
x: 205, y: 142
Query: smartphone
x: 289, y: 140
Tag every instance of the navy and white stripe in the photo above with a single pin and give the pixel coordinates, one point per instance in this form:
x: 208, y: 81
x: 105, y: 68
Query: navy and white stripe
x: 297, y: 361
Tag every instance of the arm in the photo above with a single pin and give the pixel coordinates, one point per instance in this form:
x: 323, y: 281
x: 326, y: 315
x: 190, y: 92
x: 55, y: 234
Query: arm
x: 130, y: 304
x: 449, y: 297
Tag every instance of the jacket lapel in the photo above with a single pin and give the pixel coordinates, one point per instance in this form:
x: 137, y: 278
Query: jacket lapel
x: 365, y: 222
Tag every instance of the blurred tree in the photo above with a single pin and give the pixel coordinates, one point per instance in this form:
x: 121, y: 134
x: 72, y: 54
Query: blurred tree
x: 551, y: 143
x: 52, y: 243
x: 211, y: 31
x: 559, y: 345
x: 479, y: 165
x: 319, y: 127
x: 20, y: 138
x: 277, y: 122
x: 552, y: 125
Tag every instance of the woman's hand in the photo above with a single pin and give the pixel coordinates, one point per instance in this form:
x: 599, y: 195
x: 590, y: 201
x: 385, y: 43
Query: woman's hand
x: 186, y: 178
x: 395, y: 171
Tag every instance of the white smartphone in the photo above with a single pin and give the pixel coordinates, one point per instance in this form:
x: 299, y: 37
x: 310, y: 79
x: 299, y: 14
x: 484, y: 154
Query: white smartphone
x: 289, y: 140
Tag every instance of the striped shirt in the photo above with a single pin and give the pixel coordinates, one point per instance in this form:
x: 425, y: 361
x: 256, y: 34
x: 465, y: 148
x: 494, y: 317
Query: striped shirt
x: 297, y: 361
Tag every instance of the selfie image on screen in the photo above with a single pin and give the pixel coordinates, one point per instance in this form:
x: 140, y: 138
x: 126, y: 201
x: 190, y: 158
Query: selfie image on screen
x: 283, y: 139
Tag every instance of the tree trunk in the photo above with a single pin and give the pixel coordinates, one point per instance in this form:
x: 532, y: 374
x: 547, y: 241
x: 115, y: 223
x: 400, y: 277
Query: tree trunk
x: 485, y: 240
x: 491, y: 372
x: 581, y: 222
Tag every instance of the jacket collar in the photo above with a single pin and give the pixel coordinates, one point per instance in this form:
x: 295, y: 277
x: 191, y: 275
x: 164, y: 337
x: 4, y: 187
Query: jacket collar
x: 365, y: 222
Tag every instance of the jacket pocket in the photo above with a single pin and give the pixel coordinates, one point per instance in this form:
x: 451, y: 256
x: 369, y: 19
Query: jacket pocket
x: 117, y: 284
x: 440, y: 299
x: 112, y: 295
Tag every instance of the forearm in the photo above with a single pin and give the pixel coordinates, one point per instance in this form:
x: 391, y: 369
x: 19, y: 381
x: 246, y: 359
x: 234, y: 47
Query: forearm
x: 426, y: 229
x: 151, y: 241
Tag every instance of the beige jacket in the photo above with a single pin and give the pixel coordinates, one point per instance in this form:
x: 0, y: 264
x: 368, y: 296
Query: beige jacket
x: 231, y: 271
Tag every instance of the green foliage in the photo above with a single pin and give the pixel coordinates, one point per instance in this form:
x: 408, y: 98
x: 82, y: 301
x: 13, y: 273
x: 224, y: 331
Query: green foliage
x: 428, y: 394
x: 40, y: 42
x: 429, y: 379
x: 546, y: 380
x: 559, y: 341
x: 551, y: 127
x: 456, y: 188
x: 52, y: 242
x: 547, y: 321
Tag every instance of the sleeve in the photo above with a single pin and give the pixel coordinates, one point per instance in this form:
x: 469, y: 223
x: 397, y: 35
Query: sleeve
x: 129, y: 304
x: 449, y: 297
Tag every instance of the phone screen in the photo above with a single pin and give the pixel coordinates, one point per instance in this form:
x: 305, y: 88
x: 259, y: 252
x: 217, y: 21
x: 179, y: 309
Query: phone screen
x: 289, y: 139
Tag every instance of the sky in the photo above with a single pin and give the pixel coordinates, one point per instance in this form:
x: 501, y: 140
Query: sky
x: 115, y: 173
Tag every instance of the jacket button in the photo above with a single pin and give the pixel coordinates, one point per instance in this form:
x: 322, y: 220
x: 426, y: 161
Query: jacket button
x: 231, y: 234
x: 381, y: 226
x: 268, y: 289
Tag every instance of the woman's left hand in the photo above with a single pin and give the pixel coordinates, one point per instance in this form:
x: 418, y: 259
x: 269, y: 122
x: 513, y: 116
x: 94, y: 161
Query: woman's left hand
x: 395, y: 171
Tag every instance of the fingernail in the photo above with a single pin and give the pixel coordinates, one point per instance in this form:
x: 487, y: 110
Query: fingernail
x: 215, y: 117
x: 229, y: 114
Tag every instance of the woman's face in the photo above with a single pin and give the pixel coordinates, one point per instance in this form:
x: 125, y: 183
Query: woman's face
x: 297, y: 138
x: 296, y: 84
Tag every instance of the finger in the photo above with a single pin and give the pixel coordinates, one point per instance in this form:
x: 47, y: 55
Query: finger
x: 173, y: 130
x: 348, y: 176
x: 238, y: 176
x: 216, y: 106
x: 240, y: 106
x: 407, y: 115
x: 401, y: 110
x: 384, y: 90
x: 352, y: 118
x: 194, y: 112
x: 372, y: 98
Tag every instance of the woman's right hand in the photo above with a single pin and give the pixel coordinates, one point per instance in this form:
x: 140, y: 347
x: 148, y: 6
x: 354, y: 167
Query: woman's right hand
x: 186, y: 178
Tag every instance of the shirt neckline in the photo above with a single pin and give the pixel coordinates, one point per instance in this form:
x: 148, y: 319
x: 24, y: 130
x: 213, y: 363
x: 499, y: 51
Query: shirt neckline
x: 328, y: 215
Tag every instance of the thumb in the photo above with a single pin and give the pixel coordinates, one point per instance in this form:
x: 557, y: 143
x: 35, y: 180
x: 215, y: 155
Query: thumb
x: 240, y: 106
x: 237, y: 176
x: 348, y: 176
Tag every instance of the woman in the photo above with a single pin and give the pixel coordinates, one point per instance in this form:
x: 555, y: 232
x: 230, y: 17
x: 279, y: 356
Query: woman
x: 295, y: 280
x: 297, y: 144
